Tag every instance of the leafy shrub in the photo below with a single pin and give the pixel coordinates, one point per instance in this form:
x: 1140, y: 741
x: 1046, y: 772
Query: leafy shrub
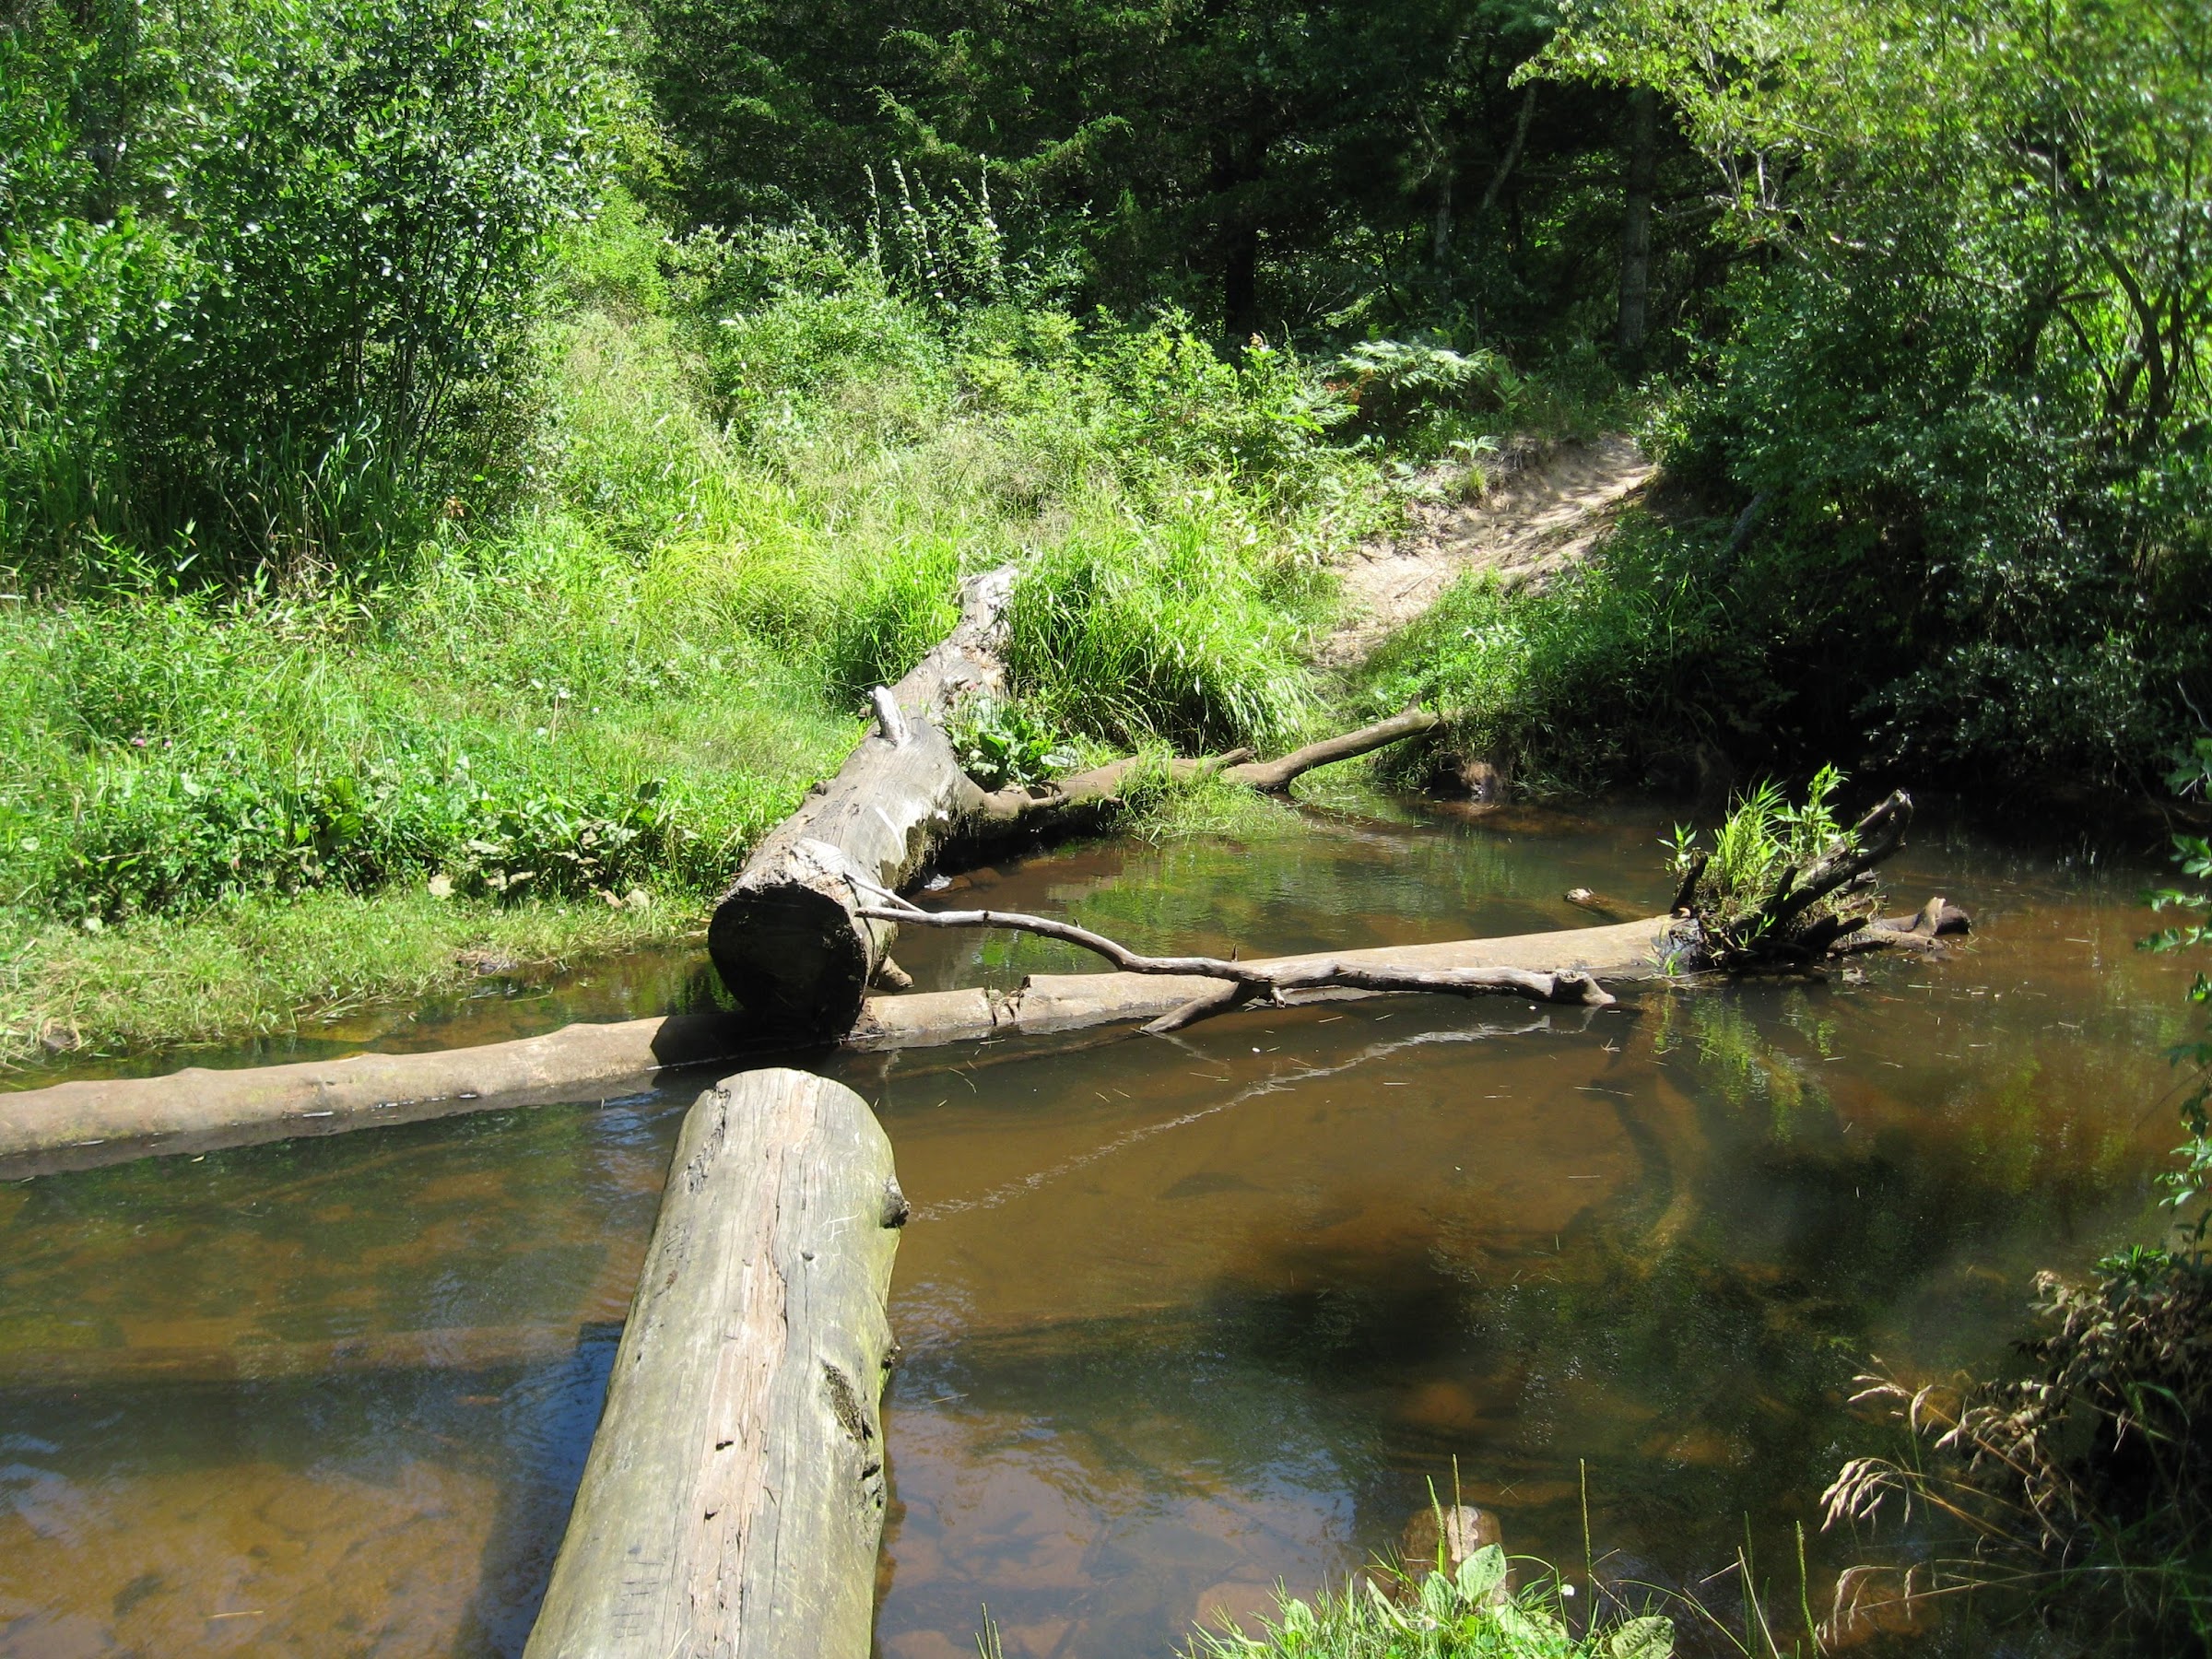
x: 1754, y: 899
x: 1002, y: 744
x: 305, y: 291
x: 173, y: 839
x: 1397, y: 385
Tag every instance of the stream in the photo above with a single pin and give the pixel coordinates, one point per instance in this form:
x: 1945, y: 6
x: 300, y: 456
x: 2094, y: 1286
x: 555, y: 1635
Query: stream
x: 1180, y: 1318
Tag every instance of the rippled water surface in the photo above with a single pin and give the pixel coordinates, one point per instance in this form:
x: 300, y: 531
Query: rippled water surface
x: 1180, y: 1317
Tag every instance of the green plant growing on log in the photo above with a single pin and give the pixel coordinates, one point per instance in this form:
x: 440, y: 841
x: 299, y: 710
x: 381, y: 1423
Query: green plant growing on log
x: 1783, y: 884
x: 1001, y: 744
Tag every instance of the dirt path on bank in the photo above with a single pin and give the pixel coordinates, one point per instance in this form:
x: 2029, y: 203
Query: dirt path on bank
x: 1544, y: 514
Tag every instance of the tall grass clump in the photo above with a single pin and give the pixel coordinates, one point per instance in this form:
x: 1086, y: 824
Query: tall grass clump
x: 1470, y: 1613
x: 1131, y: 634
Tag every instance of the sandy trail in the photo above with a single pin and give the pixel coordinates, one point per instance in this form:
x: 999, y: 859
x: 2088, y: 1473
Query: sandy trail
x: 1543, y: 516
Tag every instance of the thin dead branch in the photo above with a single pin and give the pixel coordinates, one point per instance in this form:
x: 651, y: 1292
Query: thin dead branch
x: 1250, y: 982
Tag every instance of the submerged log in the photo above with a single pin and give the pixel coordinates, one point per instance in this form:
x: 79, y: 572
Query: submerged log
x: 733, y: 1501
x: 108, y: 1121
x: 104, y: 1121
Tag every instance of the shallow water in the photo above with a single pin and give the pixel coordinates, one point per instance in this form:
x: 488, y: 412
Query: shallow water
x: 1180, y: 1318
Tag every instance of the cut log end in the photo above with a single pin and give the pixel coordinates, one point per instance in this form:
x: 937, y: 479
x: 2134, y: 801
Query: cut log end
x: 793, y: 955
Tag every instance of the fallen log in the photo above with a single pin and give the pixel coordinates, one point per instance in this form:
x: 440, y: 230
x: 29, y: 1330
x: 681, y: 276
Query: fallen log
x: 107, y: 1120
x: 1237, y: 983
x: 785, y: 938
x: 112, y: 1119
x: 733, y: 1501
x: 788, y: 939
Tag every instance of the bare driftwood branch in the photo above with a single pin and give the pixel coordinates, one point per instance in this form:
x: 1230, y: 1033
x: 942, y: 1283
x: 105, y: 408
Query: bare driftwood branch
x: 1277, y: 774
x: 1691, y: 874
x: 1249, y: 982
x: 1870, y: 841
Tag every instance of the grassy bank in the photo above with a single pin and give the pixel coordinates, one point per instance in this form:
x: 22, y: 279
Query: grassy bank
x: 751, y: 478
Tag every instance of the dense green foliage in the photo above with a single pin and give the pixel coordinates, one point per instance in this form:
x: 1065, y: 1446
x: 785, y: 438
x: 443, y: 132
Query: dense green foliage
x: 752, y: 478
x: 269, y: 268
x: 1948, y: 411
x: 498, y: 439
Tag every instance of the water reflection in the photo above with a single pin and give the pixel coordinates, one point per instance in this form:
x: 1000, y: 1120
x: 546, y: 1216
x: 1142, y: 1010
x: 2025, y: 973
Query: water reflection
x: 1180, y: 1318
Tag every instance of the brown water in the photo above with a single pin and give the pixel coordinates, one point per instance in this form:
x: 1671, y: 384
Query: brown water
x: 1180, y: 1317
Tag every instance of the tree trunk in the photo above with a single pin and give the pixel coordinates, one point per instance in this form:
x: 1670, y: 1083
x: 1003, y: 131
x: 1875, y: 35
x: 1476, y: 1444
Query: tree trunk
x: 733, y: 1501
x: 1636, y: 225
x: 108, y: 1121
x: 784, y: 938
x: 1241, y: 285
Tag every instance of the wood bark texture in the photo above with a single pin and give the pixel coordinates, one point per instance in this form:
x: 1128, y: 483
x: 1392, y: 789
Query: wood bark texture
x: 786, y: 938
x: 733, y: 1502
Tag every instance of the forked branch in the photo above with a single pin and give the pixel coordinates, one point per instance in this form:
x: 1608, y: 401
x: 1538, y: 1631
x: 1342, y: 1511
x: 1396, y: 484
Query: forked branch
x: 1243, y: 983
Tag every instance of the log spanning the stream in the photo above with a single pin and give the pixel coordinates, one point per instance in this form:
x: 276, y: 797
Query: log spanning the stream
x: 733, y: 1501
x: 112, y: 1119
x: 789, y: 938
x: 108, y: 1121
x: 1231, y: 983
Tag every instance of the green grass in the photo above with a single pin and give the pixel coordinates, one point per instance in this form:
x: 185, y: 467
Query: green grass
x: 1470, y: 1614
x: 752, y: 481
x: 263, y: 966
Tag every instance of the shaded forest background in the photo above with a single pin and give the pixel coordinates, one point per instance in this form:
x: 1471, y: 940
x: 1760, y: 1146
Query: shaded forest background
x: 424, y: 420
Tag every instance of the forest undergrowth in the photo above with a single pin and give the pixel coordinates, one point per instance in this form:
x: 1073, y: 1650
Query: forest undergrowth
x: 754, y: 475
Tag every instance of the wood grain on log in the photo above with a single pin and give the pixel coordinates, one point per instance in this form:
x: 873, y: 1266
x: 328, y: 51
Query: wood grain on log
x: 785, y: 937
x: 733, y: 1501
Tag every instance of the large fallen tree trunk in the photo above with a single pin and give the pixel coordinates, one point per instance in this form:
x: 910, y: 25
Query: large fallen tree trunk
x: 733, y: 1501
x: 788, y: 937
x: 112, y: 1119
x: 785, y: 937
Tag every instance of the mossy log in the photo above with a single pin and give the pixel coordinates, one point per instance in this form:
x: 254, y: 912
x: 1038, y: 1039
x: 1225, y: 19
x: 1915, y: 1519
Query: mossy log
x: 733, y: 1501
